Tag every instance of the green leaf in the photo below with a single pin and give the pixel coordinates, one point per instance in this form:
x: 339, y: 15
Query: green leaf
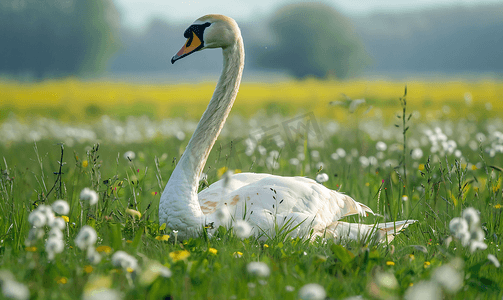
x: 163, y: 226
x: 137, y: 237
x: 342, y: 254
x: 116, y: 235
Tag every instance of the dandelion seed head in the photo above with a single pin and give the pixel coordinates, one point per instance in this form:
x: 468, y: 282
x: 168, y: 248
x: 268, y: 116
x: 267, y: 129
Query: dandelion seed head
x: 387, y: 280
x: 458, y: 226
x: 223, y: 215
x: 58, y: 223
x: 494, y: 260
x: 471, y: 216
x: 322, y: 177
x: 61, y: 207
x: 15, y: 290
x: 102, y: 293
x: 423, y: 290
x: 37, y: 219
x: 129, y: 155
x: 312, y: 291
x: 242, y: 229
x: 56, y: 233
x: 86, y: 237
x: 124, y: 260
x: 294, y: 161
x: 381, y: 146
x: 449, y: 278
x: 259, y: 269
x: 417, y: 153
x: 89, y: 195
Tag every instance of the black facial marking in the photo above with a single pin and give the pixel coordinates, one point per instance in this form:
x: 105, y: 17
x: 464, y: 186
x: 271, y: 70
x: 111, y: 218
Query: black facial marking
x: 198, y: 31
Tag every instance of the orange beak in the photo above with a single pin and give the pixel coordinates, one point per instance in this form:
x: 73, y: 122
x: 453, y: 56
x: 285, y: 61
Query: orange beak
x: 192, y: 45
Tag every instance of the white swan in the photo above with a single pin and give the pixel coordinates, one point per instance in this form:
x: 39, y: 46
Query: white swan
x: 262, y: 198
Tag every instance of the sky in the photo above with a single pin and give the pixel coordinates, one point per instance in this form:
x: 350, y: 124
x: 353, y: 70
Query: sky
x: 137, y: 13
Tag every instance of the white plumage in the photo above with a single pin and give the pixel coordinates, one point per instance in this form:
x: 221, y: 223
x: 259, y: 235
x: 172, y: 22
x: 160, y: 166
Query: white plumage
x: 266, y: 201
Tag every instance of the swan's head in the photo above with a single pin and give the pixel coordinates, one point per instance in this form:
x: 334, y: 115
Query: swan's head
x: 210, y: 31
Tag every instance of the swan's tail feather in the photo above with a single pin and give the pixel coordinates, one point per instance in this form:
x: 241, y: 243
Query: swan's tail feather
x: 351, y: 207
x: 380, y: 232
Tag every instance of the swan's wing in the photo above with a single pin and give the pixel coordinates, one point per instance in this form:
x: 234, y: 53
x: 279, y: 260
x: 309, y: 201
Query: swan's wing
x: 263, y: 198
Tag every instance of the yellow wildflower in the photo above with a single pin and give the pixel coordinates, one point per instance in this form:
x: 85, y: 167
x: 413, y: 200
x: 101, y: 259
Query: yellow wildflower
x: 266, y: 246
x: 427, y: 264
x: 367, y: 184
x: 133, y: 213
x: 65, y: 218
x: 474, y: 167
x: 213, y: 251
x: 237, y: 171
x: 221, y: 171
x: 31, y: 249
x: 179, y: 255
x: 497, y: 206
x: 88, y: 269
x: 164, y: 237
x: 421, y: 167
x: 411, y: 257
x: 390, y: 263
x: 153, y: 193
x: 85, y: 164
x: 411, y: 284
x: 62, y: 280
x: 129, y: 241
x: 105, y: 249
x: 130, y: 270
x: 237, y: 254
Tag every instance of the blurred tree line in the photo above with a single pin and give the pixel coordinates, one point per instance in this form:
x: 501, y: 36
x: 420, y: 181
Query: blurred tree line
x: 54, y: 38
x: 73, y: 37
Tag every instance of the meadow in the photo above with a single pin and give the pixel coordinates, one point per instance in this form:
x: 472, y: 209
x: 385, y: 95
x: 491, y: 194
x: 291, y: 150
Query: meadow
x: 429, y: 155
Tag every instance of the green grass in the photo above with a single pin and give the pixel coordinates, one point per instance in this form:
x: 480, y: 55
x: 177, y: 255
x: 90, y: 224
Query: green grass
x: 437, y: 193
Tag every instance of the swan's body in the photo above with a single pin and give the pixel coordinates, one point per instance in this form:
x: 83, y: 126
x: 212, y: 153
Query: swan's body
x: 263, y: 200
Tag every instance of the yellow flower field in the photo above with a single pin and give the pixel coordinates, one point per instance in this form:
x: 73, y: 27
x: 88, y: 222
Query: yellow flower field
x: 75, y: 100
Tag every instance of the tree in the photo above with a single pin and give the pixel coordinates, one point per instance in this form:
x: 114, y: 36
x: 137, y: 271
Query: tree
x: 313, y: 39
x: 56, y: 37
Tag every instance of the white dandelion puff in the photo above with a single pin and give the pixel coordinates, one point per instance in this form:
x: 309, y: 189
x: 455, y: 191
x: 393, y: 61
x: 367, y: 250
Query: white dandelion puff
x: 223, y: 215
x: 471, y: 216
x: 93, y: 256
x: 476, y: 245
x: 61, y: 207
x: 312, y: 291
x: 58, y: 223
x: 423, y: 290
x: 259, y: 269
x: 242, y: 229
x: 129, y: 155
x: 15, y: 290
x: 124, y: 260
x: 101, y: 293
x: 458, y: 225
x: 494, y: 260
x: 387, y: 280
x: 416, y: 154
x: 53, y: 246
x: 323, y: 177
x: 56, y: 233
x: 47, y: 211
x: 381, y: 146
x: 37, y: 219
x: 89, y: 195
x: 289, y: 288
x: 449, y: 278
x: 86, y: 238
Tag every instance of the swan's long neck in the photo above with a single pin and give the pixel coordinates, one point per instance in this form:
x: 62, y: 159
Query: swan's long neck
x: 179, y: 207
